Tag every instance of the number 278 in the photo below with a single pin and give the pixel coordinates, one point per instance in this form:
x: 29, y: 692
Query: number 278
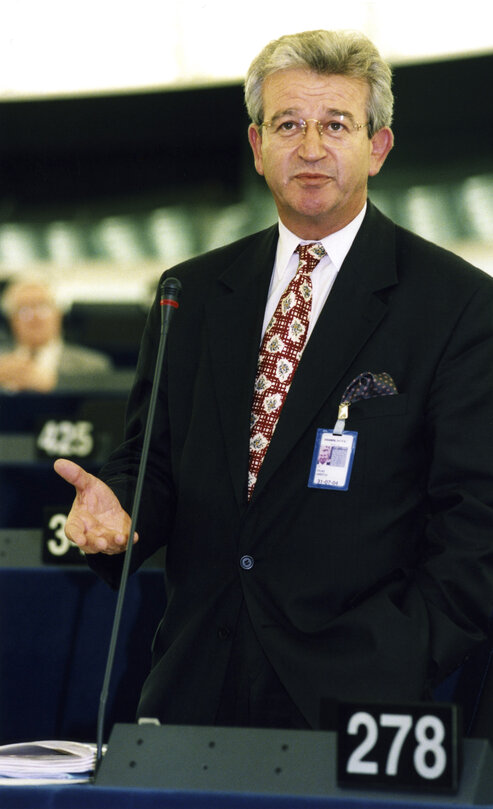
x: 430, y: 757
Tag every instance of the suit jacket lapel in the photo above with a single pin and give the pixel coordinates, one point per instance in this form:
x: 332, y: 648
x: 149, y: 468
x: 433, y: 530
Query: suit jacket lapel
x: 234, y: 317
x: 352, y: 312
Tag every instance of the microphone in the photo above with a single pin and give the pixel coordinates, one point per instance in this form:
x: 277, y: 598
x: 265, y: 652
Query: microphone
x: 170, y: 290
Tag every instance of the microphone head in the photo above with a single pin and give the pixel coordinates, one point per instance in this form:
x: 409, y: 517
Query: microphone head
x: 170, y: 291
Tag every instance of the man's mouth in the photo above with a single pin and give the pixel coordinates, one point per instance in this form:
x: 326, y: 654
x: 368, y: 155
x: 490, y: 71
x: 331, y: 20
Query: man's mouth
x: 313, y: 178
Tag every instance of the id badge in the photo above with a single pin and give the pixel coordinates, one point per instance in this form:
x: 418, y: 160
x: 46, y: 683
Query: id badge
x: 332, y: 460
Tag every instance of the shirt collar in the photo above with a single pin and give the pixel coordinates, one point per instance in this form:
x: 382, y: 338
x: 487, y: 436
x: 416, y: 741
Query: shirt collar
x: 336, y: 245
x: 51, y: 349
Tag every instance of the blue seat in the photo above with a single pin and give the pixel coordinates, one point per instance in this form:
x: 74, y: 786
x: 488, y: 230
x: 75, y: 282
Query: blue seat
x: 55, y: 630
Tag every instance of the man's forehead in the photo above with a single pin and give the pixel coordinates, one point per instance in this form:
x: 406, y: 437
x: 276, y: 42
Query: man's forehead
x: 294, y: 87
x: 32, y: 293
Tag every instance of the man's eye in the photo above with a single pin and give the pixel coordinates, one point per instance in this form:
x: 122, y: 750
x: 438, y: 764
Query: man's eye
x: 288, y: 126
x: 335, y: 127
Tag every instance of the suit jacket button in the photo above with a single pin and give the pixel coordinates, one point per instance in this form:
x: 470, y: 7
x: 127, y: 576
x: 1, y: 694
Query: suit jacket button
x: 223, y: 632
x: 247, y: 562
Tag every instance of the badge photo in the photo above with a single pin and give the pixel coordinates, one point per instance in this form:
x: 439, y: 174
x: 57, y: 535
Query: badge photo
x: 332, y: 460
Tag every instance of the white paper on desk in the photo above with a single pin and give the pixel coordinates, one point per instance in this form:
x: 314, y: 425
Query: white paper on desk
x: 13, y: 781
x: 46, y: 759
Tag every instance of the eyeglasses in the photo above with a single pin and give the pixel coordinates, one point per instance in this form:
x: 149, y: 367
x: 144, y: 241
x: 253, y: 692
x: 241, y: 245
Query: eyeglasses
x: 28, y: 311
x: 336, y: 128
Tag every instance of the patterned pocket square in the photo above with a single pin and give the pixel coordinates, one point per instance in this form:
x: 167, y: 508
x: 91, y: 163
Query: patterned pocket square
x: 368, y: 385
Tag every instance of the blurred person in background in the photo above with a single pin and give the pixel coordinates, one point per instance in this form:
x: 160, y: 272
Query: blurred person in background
x: 37, y: 358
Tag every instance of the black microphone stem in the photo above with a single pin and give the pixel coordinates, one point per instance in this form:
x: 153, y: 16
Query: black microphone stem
x: 170, y: 290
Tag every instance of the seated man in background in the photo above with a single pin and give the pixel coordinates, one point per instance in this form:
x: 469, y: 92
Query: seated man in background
x: 39, y: 359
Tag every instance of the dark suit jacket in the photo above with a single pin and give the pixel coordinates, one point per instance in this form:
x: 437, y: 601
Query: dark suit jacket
x: 373, y: 593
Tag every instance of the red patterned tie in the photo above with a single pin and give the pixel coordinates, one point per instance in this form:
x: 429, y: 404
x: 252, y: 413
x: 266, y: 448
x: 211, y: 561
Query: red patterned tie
x: 280, y: 353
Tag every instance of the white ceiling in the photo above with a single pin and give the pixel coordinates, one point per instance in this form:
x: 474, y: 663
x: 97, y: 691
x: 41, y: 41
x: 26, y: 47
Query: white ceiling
x: 67, y: 47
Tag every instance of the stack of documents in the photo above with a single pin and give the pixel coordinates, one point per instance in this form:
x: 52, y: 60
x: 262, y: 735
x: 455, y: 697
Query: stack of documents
x: 46, y: 761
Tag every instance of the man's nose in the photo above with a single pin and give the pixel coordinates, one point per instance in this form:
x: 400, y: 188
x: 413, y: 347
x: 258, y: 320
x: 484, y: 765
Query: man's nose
x: 312, y: 146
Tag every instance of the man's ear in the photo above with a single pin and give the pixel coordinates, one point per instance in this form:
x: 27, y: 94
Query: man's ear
x: 381, y: 144
x: 255, y: 139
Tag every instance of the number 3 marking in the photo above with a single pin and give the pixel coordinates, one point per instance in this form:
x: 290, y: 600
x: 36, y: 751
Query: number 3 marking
x: 61, y: 544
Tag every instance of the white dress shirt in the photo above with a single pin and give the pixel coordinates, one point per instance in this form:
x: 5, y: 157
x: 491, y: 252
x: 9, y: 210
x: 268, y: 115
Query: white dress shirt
x: 46, y: 358
x: 323, y: 276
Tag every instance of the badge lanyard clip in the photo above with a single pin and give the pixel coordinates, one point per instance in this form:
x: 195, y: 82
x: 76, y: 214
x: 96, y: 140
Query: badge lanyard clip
x: 342, y: 415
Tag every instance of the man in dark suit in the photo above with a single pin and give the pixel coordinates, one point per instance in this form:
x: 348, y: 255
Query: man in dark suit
x: 371, y: 582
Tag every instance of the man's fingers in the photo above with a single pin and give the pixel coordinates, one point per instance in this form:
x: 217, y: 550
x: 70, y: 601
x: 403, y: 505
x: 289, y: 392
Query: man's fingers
x: 84, y: 530
x: 92, y: 536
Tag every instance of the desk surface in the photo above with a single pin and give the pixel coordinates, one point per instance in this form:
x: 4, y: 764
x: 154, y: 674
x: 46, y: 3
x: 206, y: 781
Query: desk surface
x: 89, y: 796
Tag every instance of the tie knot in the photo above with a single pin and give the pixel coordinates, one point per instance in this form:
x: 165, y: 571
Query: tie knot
x: 310, y: 254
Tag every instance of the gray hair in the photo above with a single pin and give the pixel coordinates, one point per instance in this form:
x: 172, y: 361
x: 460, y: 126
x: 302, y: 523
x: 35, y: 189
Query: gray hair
x: 8, y: 300
x: 346, y: 53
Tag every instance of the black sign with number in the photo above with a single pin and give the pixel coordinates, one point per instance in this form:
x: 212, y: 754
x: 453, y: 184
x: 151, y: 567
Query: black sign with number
x: 62, y: 437
x: 399, y: 746
x: 57, y: 548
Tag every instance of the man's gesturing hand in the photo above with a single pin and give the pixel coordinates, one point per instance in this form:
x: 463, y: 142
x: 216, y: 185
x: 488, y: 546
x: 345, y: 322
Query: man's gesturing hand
x: 97, y: 523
